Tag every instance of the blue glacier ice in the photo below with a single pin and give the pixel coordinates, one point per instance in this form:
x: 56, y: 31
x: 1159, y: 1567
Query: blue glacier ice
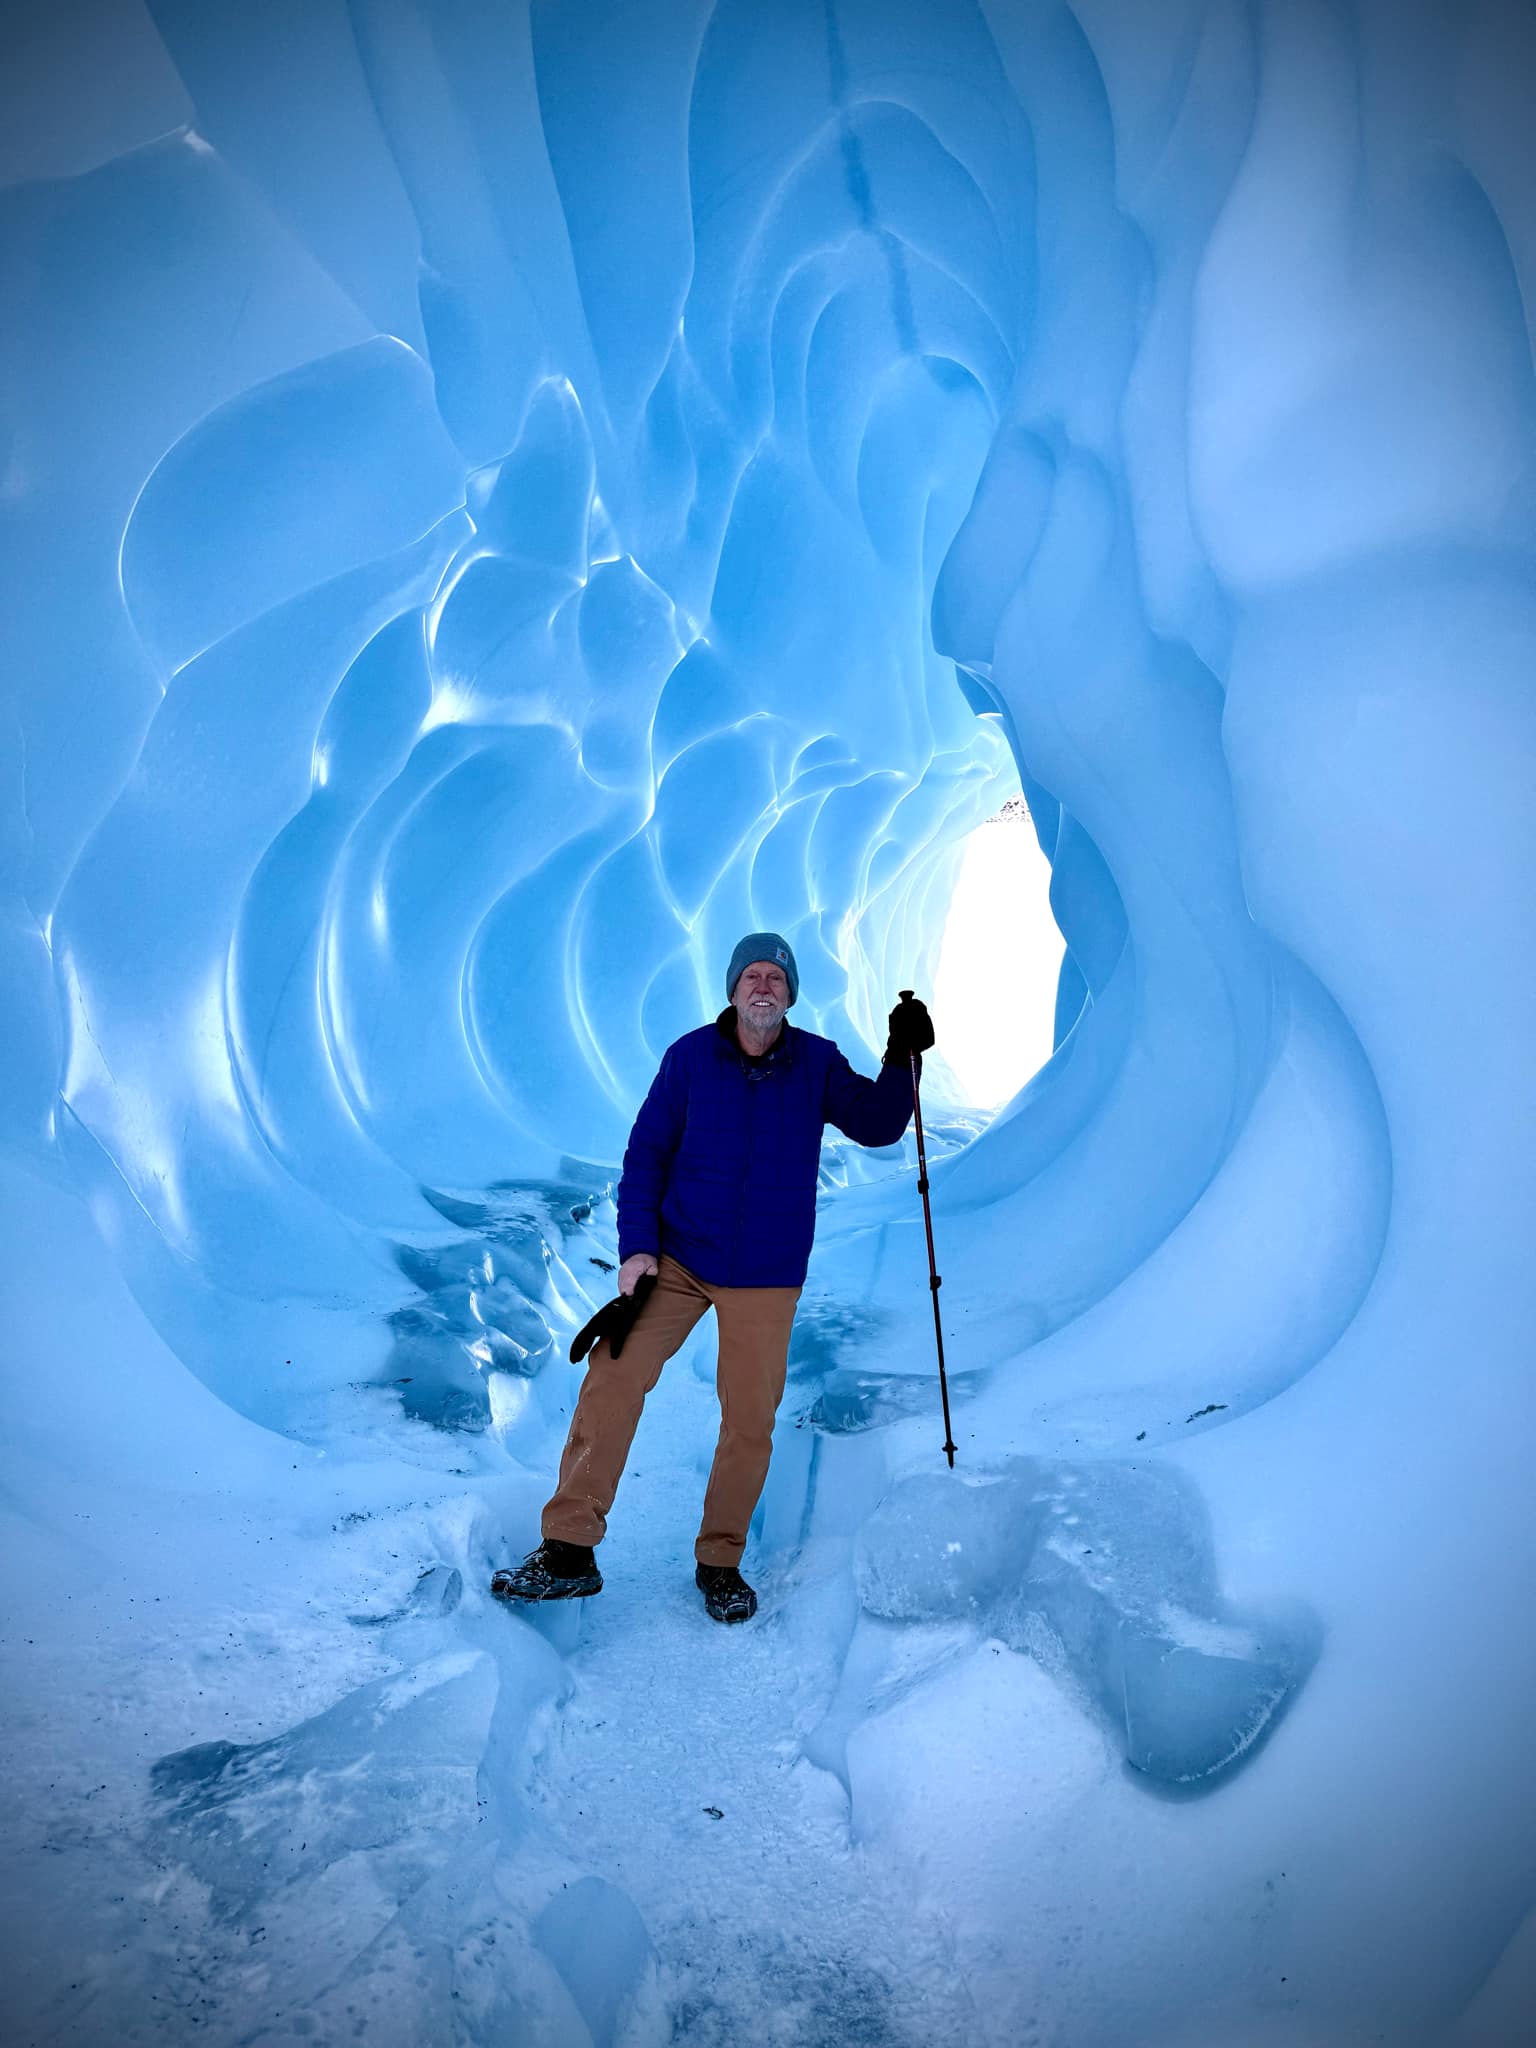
x: 498, y: 501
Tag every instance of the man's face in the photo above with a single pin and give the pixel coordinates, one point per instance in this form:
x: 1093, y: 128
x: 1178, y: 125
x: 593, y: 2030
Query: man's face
x: 762, y: 995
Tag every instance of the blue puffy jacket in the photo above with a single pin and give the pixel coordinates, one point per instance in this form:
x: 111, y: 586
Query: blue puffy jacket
x: 720, y: 1170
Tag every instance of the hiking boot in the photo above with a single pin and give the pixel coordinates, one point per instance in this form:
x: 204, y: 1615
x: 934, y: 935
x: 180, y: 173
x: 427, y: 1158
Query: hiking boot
x: 727, y: 1596
x: 555, y: 1571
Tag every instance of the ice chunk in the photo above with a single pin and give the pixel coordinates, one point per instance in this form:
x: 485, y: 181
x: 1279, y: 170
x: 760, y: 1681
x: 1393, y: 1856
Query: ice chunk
x: 314, y: 1843
x: 593, y: 1934
x: 936, y: 1549
x: 1105, y: 1572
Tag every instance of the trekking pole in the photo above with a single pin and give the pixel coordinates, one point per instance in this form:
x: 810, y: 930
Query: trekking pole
x: 934, y: 1281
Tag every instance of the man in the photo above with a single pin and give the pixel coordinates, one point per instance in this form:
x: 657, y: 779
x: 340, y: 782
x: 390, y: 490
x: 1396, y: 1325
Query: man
x: 717, y: 1208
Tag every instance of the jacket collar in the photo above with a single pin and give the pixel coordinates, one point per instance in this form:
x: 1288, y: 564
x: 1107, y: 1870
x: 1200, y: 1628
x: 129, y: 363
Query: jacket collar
x: 780, y: 1054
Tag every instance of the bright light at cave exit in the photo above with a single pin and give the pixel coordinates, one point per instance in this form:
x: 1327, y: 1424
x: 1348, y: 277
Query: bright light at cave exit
x: 995, y: 991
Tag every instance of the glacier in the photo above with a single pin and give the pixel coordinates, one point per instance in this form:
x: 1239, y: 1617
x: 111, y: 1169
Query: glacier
x: 498, y: 501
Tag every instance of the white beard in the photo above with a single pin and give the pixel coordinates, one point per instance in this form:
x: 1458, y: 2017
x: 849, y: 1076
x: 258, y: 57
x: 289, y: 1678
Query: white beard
x: 764, y: 1019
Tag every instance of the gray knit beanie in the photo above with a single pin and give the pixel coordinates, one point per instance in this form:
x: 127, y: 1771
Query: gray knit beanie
x: 763, y: 946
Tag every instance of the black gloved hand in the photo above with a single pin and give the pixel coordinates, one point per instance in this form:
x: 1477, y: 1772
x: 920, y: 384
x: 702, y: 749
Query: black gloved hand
x: 614, y: 1320
x: 911, y: 1030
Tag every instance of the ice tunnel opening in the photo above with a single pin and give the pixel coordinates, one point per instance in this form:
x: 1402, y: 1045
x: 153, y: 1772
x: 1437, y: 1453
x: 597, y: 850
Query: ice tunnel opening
x: 999, y: 960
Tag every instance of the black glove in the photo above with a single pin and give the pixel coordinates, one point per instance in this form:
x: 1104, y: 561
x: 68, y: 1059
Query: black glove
x: 614, y: 1320
x: 911, y: 1030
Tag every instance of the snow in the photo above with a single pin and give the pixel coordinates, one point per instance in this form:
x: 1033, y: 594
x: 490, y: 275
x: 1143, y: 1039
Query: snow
x: 495, y: 504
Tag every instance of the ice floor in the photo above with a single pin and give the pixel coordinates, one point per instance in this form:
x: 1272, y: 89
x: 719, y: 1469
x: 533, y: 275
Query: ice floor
x: 283, y: 1771
x: 497, y: 501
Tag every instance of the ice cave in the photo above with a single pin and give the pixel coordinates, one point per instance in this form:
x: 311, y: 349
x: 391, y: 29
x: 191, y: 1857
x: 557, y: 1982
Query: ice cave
x: 501, y: 498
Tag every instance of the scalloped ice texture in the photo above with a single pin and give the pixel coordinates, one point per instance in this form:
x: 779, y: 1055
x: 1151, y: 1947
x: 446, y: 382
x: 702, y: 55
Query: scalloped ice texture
x: 496, y: 501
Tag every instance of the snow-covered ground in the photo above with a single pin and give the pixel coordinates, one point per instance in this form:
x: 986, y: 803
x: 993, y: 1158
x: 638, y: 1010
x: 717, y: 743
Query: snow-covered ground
x: 279, y: 1766
x: 286, y: 1765
x: 496, y: 502
x: 280, y: 1769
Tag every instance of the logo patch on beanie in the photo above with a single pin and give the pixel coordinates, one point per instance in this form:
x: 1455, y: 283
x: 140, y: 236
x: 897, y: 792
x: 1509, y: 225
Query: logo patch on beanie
x: 781, y: 953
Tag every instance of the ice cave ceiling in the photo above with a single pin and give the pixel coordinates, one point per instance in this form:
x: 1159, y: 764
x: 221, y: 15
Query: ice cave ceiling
x: 497, y: 501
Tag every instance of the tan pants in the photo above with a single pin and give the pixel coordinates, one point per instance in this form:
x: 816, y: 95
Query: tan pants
x: 754, y: 1325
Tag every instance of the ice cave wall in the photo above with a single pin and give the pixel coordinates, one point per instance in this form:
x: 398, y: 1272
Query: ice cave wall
x: 497, y: 502
x: 460, y: 576
x: 514, y: 672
